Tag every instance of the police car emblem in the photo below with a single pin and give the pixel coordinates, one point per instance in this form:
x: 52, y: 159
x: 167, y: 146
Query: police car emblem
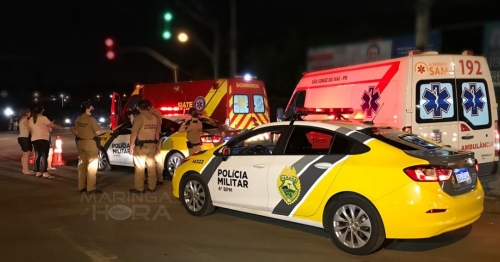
x: 199, y: 103
x: 436, y: 136
x: 289, y: 185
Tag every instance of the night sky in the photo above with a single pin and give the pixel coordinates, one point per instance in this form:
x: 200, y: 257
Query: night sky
x: 56, y: 46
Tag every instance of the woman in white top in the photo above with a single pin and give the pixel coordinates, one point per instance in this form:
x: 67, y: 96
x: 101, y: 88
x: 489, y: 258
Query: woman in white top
x: 24, y: 139
x: 39, y: 126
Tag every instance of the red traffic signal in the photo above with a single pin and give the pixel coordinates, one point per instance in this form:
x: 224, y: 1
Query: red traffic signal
x: 110, y: 55
x: 109, y: 44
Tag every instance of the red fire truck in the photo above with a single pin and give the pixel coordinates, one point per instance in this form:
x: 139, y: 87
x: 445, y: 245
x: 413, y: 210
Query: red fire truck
x: 238, y: 103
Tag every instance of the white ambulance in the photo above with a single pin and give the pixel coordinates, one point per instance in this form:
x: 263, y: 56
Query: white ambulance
x: 446, y: 98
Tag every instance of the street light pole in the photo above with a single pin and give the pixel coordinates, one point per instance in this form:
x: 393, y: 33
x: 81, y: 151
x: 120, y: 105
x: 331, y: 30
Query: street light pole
x: 204, y: 49
x: 62, y: 100
x: 155, y: 55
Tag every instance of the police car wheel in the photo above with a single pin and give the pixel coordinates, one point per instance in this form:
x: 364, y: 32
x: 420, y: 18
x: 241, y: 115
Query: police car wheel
x: 354, y: 225
x: 195, y: 196
x: 173, y: 161
x: 103, y: 162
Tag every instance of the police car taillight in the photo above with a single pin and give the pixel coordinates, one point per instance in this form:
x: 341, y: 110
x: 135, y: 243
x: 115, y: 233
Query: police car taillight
x: 429, y: 173
x: 210, y: 139
x: 497, y: 141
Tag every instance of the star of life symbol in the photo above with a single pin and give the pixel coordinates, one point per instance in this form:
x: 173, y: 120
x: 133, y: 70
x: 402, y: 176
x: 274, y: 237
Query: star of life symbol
x: 436, y: 100
x: 370, y: 104
x: 199, y: 103
x: 472, y: 99
x: 258, y: 103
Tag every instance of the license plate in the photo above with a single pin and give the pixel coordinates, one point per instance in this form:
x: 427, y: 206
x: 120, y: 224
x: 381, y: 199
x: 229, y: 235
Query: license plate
x: 462, y: 175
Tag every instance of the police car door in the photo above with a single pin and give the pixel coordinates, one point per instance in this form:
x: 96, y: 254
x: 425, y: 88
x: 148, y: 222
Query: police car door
x: 118, y: 150
x: 295, y: 176
x: 240, y: 180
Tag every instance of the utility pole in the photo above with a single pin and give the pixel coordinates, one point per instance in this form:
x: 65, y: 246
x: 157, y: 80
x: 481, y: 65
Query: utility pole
x: 233, y: 58
x: 422, y: 19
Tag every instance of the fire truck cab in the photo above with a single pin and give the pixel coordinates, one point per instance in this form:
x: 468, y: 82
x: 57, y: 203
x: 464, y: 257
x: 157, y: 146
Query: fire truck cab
x: 449, y: 99
x: 237, y: 103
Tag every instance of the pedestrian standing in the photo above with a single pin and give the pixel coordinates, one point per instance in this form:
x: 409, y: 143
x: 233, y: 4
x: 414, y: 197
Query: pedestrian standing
x: 16, y: 125
x: 10, y: 123
x: 143, y: 146
x: 85, y: 129
x: 193, y: 127
x: 24, y: 139
x: 51, y: 152
x: 158, y: 160
x: 39, y: 126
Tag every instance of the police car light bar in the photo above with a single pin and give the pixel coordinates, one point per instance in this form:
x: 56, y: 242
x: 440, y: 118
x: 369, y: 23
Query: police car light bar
x: 467, y: 52
x: 164, y: 108
x: 327, y: 111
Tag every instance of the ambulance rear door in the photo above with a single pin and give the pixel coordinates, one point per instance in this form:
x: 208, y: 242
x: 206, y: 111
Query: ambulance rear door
x: 435, y: 99
x: 476, y: 110
x: 240, y: 103
x: 259, y: 107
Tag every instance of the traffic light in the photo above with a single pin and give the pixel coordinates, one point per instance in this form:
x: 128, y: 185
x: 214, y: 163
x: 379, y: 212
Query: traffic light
x: 110, y: 54
x: 167, y: 33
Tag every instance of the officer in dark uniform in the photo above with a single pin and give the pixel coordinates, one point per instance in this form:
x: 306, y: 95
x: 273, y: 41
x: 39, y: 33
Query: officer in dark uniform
x: 193, y: 127
x: 143, y: 146
x: 86, y: 130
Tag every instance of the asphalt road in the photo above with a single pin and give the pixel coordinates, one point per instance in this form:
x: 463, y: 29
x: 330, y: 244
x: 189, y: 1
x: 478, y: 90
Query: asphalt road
x: 47, y: 220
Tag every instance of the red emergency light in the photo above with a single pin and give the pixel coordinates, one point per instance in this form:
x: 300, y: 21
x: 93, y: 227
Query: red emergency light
x: 164, y: 108
x: 210, y: 139
x: 324, y: 111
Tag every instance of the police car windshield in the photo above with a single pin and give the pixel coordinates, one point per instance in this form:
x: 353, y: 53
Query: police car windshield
x: 400, y: 139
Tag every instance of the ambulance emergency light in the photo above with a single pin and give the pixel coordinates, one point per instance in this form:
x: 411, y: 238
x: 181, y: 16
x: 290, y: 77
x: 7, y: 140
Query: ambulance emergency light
x: 324, y: 111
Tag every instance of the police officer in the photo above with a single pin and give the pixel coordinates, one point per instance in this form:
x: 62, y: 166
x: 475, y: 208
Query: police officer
x: 85, y: 129
x: 143, y: 146
x: 158, y: 160
x: 193, y: 127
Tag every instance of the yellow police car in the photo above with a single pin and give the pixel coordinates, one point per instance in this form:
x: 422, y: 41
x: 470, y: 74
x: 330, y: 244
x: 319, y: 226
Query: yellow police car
x: 115, y: 144
x: 361, y: 183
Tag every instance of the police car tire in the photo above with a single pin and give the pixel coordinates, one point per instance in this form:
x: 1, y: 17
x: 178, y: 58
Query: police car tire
x: 167, y: 160
x: 208, y: 207
x: 377, y: 236
x: 100, y: 153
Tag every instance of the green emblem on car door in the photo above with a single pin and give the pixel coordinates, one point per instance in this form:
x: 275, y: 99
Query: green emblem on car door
x: 289, y: 185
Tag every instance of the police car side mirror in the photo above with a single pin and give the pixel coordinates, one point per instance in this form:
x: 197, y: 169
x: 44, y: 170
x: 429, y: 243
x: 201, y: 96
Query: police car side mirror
x: 224, y: 151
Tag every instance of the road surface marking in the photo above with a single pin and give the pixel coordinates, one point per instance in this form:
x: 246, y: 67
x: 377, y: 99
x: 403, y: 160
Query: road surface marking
x: 93, y: 251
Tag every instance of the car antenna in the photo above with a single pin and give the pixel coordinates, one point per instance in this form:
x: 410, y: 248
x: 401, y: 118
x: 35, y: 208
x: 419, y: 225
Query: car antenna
x: 371, y: 121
